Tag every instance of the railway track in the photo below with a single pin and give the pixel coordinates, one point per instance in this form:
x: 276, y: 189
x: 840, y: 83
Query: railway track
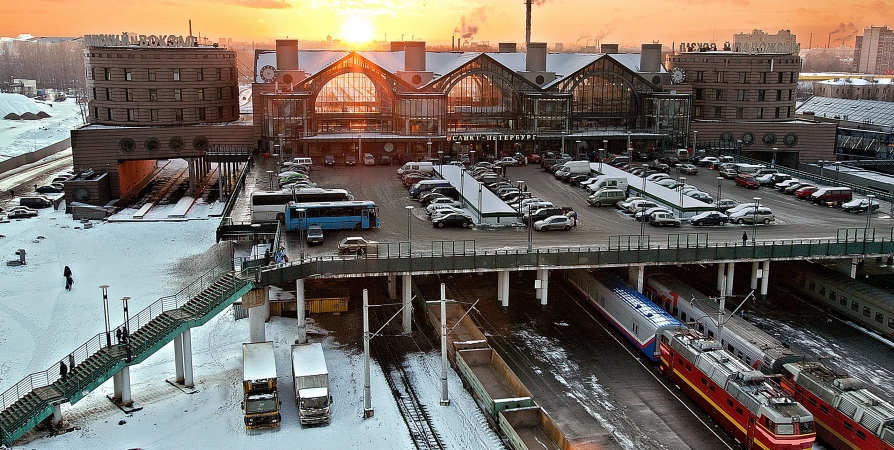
x: 388, y: 350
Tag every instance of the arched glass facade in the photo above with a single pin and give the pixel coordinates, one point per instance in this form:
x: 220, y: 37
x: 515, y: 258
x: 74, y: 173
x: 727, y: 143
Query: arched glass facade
x: 352, y: 102
x: 604, y: 99
x: 479, y: 102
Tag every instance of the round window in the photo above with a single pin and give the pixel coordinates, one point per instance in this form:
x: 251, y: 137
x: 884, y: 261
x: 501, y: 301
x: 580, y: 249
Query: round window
x: 417, y: 79
x: 127, y: 145
x: 200, y: 143
x: 539, y: 80
x: 790, y: 139
x: 151, y: 144
x: 747, y: 138
x: 176, y: 143
x: 769, y: 138
x: 726, y: 136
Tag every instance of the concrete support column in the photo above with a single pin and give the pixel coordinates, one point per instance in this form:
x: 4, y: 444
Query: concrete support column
x: 187, y: 357
x: 538, y: 293
x: 124, y: 396
x: 544, y: 287
x: 191, y: 170
x: 300, y: 312
x: 765, y: 277
x: 503, y: 288
x: 635, y: 276
x: 256, y: 332
x: 392, y: 286
x: 730, y: 272
x: 407, y: 292
x: 721, y: 268
x: 178, y: 358
x: 57, y: 414
x: 116, y: 387
x: 855, y: 262
x: 755, y: 267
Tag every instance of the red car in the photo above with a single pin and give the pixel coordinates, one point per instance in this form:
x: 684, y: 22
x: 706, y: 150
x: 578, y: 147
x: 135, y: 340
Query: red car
x: 748, y: 181
x: 806, y: 191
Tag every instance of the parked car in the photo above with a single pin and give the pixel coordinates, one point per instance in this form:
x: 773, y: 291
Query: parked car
x: 794, y: 187
x: 858, y: 205
x: 328, y: 160
x: 728, y: 173
x: 557, y: 222
x: 805, y: 192
x: 507, y: 161
x: 640, y: 205
x: 534, y: 158
x: 747, y: 181
x: 766, y: 179
x: 384, y: 160
x: 448, y: 191
x: 659, y: 167
x: 753, y: 215
x: 446, y: 201
x: 709, y: 218
x: 369, y: 159
x: 687, y: 169
x: 708, y: 161
x: 54, y: 188
x: 740, y: 207
x: 699, y: 195
x: 350, y: 160
x: 20, y: 212
x: 624, y: 204
x: 452, y: 220
x: 643, y: 216
x: 657, y: 177
x: 669, y: 183
x: 430, y: 197
x: 725, y: 204
x: 356, y: 244
x: 314, y: 234
x: 661, y: 219
x: 784, y: 184
x: 672, y: 161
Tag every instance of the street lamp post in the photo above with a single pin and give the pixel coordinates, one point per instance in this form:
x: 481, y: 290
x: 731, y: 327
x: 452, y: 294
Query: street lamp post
x: 757, y: 204
x: 472, y: 156
x: 682, y: 183
x: 270, y: 179
x: 441, y: 162
x: 837, y: 168
x: 125, y: 333
x: 642, y: 209
x: 105, y: 306
x: 719, y: 188
x: 822, y: 165
x: 694, y: 142
x: 601, y: 152
x: 629, y: 150
x: 869, y: 212
x: 429, y: 145
x: 409, y: 229
x: 302, y: 231
x: 577, y: 149
x: 604, y: 149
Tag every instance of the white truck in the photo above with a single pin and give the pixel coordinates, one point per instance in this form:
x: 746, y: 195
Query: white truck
x: 311, y: 383
x: 608, y: 182
x: 260, y: 401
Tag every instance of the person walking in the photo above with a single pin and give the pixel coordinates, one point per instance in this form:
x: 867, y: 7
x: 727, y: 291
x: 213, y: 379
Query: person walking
x: 63, y: 371
x: 574, y: 217
x: 744, y: 238
x: 69, y: 281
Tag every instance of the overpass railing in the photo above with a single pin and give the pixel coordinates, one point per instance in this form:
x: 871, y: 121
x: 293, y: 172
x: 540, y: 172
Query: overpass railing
x: 620, y: 251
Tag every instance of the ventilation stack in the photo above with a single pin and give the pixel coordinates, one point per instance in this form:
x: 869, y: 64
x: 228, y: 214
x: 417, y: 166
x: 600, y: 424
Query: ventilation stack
x: 414, y: 64
x: 609, y: 49
x: 535, y: 65
x: 287, y: 70
x: 650, y: 64
x: 507, y: 47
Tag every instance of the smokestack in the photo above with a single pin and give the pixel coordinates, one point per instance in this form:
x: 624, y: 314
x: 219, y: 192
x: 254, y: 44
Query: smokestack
x: 286, y: 54
x: 190, y: 27
x: 507, y: 47
x: 609, y: 49
x: 528, y: 22
x: 535, y: 60
x: 452, y: 43
x: 650, y: 58
x: 414, y: 56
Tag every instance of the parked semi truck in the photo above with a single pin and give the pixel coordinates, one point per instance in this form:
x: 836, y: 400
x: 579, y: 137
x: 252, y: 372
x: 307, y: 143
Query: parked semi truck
x: 311, y: 383
x: 260, y: 402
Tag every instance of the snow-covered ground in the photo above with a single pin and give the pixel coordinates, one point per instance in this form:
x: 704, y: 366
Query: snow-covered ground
x: 22, y: 136
x: 41, y: 322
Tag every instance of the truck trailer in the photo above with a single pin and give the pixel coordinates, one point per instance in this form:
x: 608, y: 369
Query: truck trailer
x: 260, y: 402
x: 311, y: 383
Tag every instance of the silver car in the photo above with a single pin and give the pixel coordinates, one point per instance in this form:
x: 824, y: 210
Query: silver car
x: 553, y: 223
x: 753, y: 215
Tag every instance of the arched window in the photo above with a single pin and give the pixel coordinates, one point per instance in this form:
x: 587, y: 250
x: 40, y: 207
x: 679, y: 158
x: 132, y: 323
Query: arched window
x: 604, y: 96
x: 348, y: 93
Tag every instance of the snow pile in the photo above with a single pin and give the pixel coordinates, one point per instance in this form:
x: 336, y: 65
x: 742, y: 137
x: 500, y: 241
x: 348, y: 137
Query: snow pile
x: 19, y: 104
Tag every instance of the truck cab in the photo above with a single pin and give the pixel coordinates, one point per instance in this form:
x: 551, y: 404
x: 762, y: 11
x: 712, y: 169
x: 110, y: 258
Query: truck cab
x: 311, y: 383
x: 260, y: 402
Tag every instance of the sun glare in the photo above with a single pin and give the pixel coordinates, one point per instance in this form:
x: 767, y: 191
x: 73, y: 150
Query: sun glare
x: 356, y: 30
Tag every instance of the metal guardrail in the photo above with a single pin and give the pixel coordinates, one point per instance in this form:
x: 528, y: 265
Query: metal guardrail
x: 620, y: 251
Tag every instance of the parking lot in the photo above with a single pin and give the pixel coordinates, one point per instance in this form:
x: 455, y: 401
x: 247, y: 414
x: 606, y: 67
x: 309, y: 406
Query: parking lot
x: 796, y: 219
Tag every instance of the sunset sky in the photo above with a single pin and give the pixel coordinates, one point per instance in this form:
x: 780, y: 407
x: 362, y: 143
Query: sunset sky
x: 571, y: 22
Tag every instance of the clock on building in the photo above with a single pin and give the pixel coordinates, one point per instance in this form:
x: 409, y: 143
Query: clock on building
x: 268, y: 73
x: 677, y: 75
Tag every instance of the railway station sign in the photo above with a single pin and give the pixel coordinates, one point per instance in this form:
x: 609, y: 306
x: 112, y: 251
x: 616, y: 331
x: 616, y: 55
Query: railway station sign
x: 138, y: 40
x: 490, y: 137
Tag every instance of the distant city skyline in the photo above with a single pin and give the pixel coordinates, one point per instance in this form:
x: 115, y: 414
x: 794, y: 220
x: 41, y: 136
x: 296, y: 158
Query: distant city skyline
x: 570, y: 22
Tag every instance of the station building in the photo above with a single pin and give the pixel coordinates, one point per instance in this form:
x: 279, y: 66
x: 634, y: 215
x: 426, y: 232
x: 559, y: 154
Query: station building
x: 153, y: 98
x: 410, y: 103
x: 743, y: 100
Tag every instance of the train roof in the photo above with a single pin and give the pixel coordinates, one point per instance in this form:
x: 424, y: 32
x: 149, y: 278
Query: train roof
x: 773, y: 350
x: 843, y: 281
x: 638, y: 302
x: 748, y: 386
x: 848, y: 395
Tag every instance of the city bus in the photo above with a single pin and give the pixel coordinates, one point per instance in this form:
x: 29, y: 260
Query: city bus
x: 270, y: 206
x: 347, y: 215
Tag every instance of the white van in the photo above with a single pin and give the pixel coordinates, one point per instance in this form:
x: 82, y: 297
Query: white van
x: 304, y: 161
x: 608, y: 182
x: 422, y: 166
x: 607, y: 196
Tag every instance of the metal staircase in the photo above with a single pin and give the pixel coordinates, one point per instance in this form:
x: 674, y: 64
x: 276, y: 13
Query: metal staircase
x: 34, y: 398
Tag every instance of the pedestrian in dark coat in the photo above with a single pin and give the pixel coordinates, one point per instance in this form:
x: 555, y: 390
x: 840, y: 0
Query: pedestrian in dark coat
x: 744, y: 238
x: 267, y: 257
x: 63, y: 371
x: 68, y: 282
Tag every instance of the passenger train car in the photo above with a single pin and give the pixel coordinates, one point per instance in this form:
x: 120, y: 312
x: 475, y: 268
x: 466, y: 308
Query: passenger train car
x: 755, y: 412
x: 848, y: 416
x: 744, y: 340
x: 639, y: 319
x: 866, y: 305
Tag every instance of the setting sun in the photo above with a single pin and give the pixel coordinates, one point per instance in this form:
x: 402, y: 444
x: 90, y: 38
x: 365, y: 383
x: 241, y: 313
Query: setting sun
x: 357, y: 29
